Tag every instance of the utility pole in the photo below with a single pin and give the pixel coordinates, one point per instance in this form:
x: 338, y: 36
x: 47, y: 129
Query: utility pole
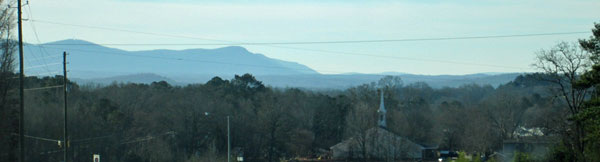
x: 21, y: 91
x: 228, y: 138
x: 65, y: 109
x: 228, y: 141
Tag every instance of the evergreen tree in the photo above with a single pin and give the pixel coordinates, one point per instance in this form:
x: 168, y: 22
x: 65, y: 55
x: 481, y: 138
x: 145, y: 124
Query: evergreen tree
x: 591, y: 79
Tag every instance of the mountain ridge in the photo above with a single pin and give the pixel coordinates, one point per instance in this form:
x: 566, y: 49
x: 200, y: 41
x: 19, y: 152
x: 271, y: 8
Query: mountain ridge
x: 95, y: 63
x: 318, y: 81
x: 94, y: 58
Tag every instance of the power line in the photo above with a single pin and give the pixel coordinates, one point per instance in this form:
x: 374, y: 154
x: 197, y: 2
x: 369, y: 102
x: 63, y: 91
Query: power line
x: 272, y: 44
x: 38, y: 138
x: 303, y: 49
x: 147, y: 138
x: 193, y: 60
x: 51, y: 152
x: 139, y: 139
x: 41, y: 88
x: 52, y: 72
x: 323, y: 51
x: 40, y: 48
x: 90, y: 139
x: 128, y: 31
x: 402, y: 58
x: 328, y: 42
x: 39, y: 66
x: 40, y: 74
x: 46, y: 57
x: 47, y: 73
x: 234, y: 43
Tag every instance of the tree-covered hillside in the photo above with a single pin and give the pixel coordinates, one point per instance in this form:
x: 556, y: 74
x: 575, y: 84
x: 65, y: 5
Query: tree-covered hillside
x: 162, y: 122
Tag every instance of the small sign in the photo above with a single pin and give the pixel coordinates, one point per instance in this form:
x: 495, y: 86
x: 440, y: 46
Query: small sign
x: 96, y: 158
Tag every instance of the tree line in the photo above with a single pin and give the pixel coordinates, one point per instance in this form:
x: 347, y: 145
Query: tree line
x: 161, y: 122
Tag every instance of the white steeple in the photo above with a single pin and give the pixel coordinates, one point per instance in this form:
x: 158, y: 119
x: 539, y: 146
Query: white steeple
x: 381, y: 112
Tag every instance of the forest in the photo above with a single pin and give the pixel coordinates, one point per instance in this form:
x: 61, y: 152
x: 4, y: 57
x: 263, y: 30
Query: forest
x: 161, y: 122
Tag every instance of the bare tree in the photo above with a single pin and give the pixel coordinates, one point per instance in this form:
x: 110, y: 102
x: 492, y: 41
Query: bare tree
x: 8, y: 122
x: 390, y: 82
x: 505, y: 112
x: 563, y: 65
x: 478, y: 135
x: 359, y: 120
x: 7, y: 49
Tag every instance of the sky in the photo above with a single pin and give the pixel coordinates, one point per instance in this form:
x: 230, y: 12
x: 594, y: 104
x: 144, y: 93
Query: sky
x: 226, y: 21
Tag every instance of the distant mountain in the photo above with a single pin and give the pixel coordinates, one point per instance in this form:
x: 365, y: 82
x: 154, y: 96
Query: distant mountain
x: 322, y: 81
x: 145, y: 78
x: 93, y: 63
x: 88, y: 60
x: 392, y: 73
x: 341, y: 81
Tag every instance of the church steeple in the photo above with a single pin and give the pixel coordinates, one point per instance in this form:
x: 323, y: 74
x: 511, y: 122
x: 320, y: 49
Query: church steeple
x: 381, y: 112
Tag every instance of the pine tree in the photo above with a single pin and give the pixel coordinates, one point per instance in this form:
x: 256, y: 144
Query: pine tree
x: 591, y: 112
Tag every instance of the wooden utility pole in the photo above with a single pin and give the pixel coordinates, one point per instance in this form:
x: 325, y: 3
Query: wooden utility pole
x: 66, y: 143
x: 21, y: 91
x: 228, y: 141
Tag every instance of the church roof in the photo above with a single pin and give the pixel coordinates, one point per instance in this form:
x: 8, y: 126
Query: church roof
x: 381, y: 139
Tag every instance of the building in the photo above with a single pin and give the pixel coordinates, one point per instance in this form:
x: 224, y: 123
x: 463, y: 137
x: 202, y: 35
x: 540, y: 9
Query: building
x: 533, y: 145
x: 378, y: 143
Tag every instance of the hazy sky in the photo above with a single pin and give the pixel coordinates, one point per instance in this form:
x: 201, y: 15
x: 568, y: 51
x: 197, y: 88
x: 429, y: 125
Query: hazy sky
x: 291, y: 21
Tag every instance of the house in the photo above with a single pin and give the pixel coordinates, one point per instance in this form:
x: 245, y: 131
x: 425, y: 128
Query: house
x: 527, y: 132
x: 534, y: 145
x: 378, y: 143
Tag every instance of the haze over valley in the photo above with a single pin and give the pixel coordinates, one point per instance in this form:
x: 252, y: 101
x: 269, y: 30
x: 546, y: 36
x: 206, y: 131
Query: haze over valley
x: 90, y: 63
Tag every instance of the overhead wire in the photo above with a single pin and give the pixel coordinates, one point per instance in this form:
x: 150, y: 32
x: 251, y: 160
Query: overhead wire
x: 51, y: 151
x: 331, y: 71
x: 128, y: 31
x: 40, y: 48
x: 41, y: 66
x: 38, y: 61
x: 233, y: 43
x: 90, y: 139
x: 41, y: 88
x: 46, y: 57
x: 147, y: 138
x: 48, y: 73
x: 41, y: 74
x: 95, y: 138
x: 272, y: 44
x: 29, y: 62
x: 38, y: 138
x: 404, y: 58
x: 324, y: 51
x: 148, y: 33
x: 138, y: 139
x: 195, y: 60
x: 327, y: 42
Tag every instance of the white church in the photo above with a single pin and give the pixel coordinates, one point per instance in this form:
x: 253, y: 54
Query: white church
x: 379, y: 144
